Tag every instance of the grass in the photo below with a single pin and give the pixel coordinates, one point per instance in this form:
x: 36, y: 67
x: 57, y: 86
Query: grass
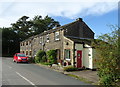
x: 80, y: 78
x: 45, y: 63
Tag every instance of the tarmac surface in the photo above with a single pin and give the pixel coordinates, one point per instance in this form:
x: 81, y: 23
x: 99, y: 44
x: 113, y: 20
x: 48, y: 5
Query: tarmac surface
x: 88, y: 75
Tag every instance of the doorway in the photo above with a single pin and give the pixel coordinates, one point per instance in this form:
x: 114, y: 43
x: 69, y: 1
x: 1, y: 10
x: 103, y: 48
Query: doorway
x: 79, y: 58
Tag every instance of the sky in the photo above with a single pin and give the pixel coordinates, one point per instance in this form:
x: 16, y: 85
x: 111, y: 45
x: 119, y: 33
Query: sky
x: 97, y: 14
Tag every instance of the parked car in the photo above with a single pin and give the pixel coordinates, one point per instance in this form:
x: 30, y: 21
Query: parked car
x: 20, y: 57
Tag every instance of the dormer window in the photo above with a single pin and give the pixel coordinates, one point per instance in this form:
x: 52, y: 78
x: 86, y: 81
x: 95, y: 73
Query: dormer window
x: 57, y: 36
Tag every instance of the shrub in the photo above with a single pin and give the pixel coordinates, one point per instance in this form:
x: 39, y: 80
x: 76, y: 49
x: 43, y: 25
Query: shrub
x: 51, y: 56
x: 40, y: 56
x: 44, y: 59
x: 31, y: 60
x: 109, y: 59
x: 70, y: 68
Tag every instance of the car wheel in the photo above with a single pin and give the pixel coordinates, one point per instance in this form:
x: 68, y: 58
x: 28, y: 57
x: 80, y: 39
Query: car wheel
x: 13, y: 60
x: 16, y: 61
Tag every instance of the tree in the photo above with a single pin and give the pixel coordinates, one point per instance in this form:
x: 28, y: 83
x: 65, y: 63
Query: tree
x: 108, y: 63
x: 26, y: 28
x: 43, y: 24
x: 10, y: 42
x: 23, y: 27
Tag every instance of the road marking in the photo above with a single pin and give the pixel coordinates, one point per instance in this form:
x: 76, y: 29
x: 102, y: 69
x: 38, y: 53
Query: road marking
x: 26, y: 79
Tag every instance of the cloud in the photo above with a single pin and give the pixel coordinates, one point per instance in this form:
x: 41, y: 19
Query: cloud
x: 11, y: 10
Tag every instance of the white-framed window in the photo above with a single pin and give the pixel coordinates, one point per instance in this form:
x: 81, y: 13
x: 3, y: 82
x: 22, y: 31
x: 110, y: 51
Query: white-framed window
x: 40, y: 40
x: 66, y: 30
x: 30, y: 43
x: 21, y: 44
x: 67, y: 54
x: 34, y: 39
x: 57, y: 36
x: 47, y: 38
x: 26, y: 42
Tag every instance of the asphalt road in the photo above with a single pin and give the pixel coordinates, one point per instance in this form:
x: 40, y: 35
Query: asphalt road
x: 31, y: 74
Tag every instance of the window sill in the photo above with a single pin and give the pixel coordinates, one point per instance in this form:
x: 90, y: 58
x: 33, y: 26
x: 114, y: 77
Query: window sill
x: 57, y: 40
x: 68, y: 59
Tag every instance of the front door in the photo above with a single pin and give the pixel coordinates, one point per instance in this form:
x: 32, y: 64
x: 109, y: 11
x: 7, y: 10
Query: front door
x: 79, y: 58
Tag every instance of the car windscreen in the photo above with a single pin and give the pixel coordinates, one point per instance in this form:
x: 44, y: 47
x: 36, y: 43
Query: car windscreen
x: 21, y: 55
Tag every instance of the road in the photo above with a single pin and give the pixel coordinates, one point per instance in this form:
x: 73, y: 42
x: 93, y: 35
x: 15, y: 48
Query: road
x: 32, y: 74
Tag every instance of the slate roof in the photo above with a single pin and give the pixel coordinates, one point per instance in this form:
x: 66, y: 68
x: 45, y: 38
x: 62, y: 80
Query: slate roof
x: 56, y: 29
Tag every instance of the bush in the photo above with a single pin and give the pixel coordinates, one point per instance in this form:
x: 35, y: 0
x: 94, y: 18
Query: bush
x: 31, y: 60
x: 51, y: 56
x: 108, y: 59
x: 70, y: 68
x: 44, y: 59
x: 40, y: 56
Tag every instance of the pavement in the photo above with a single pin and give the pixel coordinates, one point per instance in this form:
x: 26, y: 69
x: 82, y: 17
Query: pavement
x: 89, y: 76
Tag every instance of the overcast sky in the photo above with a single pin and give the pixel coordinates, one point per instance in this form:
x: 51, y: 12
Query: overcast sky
x: 64, y: 11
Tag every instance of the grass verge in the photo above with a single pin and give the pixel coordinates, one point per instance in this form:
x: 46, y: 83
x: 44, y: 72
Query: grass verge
x: 81, y: 79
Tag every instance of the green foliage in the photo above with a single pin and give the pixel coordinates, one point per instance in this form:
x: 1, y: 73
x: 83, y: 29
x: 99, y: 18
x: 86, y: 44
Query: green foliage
x: 40, y: 56
x: 43, y: 24
x: 109, y: 58
x: 51, y: 56
x: 31, y: 60
x: 46, y: 63
x: 70, y: 68
x: 44, y: 58
x: 22, y: 29
x: 10, y: 42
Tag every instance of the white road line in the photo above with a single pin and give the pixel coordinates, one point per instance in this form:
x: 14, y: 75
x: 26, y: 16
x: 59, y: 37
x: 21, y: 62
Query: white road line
x: 26, y: 79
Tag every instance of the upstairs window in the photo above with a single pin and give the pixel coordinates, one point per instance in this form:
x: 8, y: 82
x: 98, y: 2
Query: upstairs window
x: 47, y: 38
x: 35, y: 39
x: 29, y: 42
x: 21, y: 44
x: 40, y: 40
x: 57, y: 36
x: 26, y: 42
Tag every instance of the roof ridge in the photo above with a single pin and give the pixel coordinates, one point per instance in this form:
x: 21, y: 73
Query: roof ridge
x: 57, y: 28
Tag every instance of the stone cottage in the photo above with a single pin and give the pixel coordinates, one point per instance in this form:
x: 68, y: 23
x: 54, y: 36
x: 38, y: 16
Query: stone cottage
x: 71, y: 41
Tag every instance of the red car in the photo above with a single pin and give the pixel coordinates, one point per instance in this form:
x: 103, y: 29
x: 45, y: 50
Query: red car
x: 20, y: 57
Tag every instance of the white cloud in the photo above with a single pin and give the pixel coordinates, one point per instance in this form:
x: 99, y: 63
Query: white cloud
x: 10, y: 11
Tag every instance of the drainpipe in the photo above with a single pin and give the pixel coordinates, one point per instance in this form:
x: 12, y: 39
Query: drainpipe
x: 74, y: 54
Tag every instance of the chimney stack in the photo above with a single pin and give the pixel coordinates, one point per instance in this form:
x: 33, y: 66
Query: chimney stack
x: 79, y: 19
